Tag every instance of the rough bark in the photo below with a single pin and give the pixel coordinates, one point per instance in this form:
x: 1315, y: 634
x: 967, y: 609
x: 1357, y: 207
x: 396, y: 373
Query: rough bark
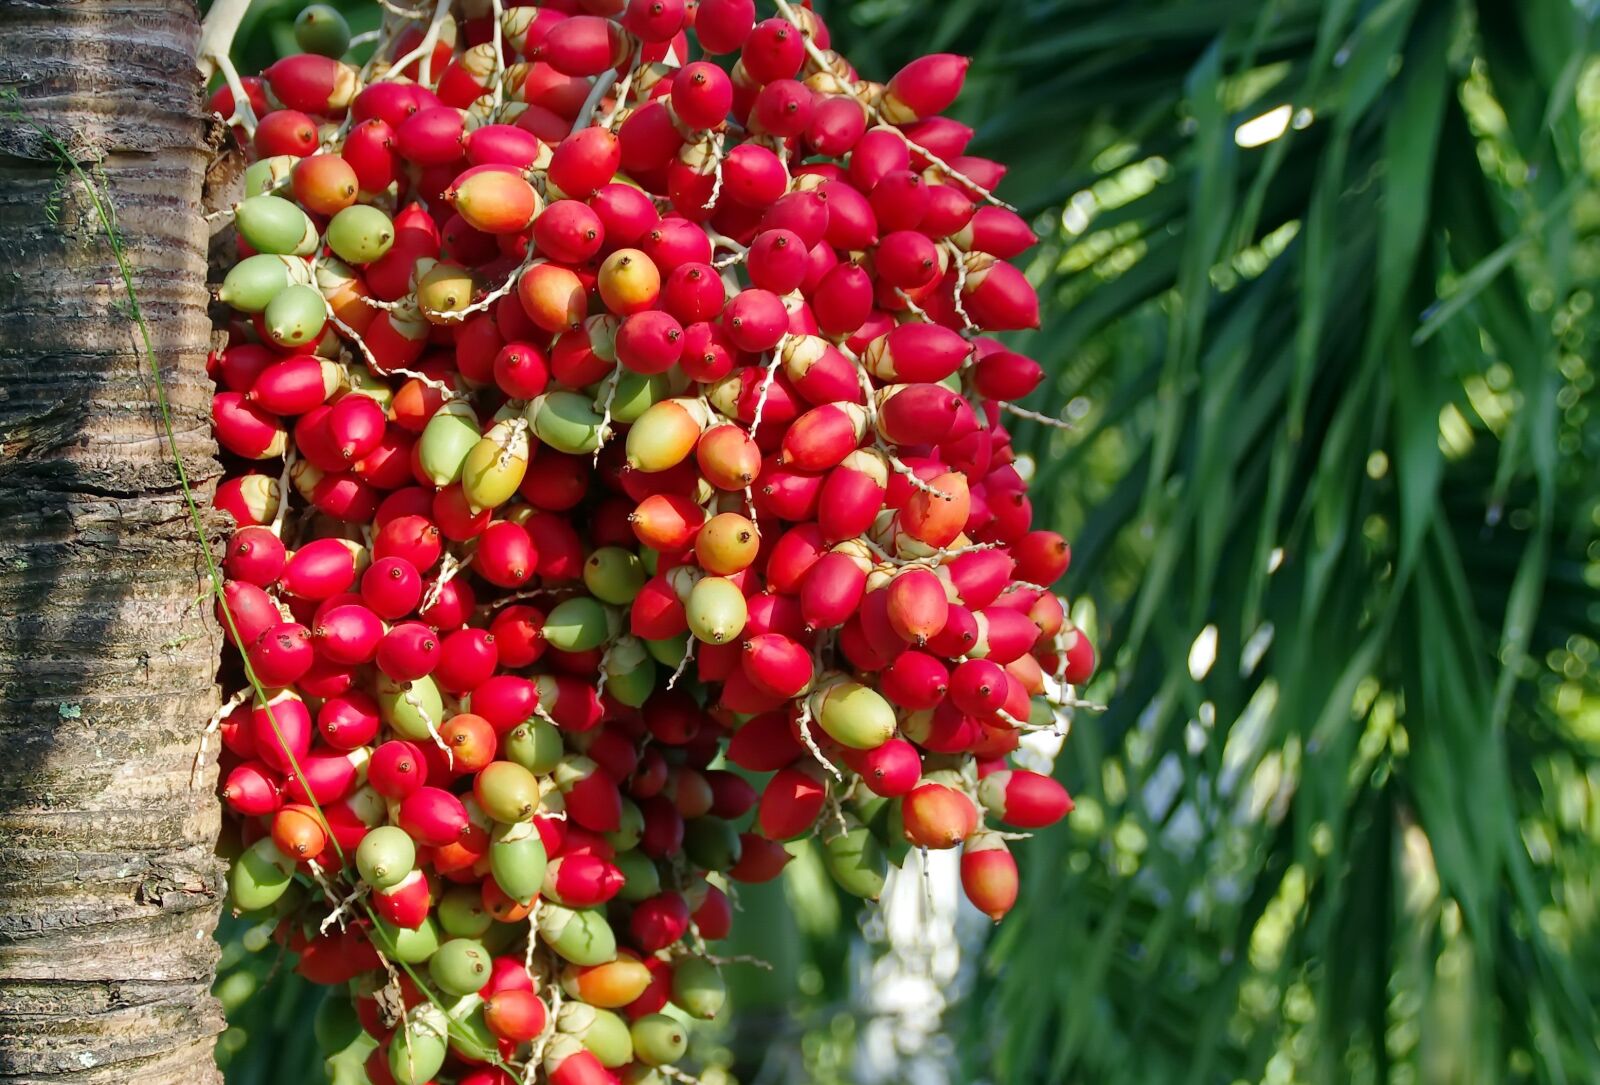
x: 109, y: 888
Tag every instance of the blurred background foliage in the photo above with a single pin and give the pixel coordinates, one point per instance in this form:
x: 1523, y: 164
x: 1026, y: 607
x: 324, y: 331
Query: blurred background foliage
x: 1319, y: 282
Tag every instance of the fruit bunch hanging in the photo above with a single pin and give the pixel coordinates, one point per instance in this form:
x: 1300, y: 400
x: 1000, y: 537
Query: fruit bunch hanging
x: 646, y: 504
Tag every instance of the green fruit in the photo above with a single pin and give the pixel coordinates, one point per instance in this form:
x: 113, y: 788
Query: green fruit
x: 259, y: 876
x: 255, y: 281
x: 407, y: 946
x: 697, y: 988
x: 264, y: 175
x: 471, y: 1038
x: 360, y: 234
x: 716, y: 610
x: 385, y: 856
x: 322, y: 30
x: 854, y: 715
x: 506, y: 791
x: 614, y: 575
x: 581, y: 936
x: 643, y: 879
x: 274, y: 224
x: 496, y: 466
x: 336, y: 1025
x: 461, y: 966
x: 602, y: 1032
x: 446, y: 440
x: 637, y: 393
x: 535, y: 745
x: 630, y: 828
x: 566, y: 421
x: 576, y: 625
x: 517, y: 860
x: 295, y: 316
x: 712, y: 843
x: 856, y: 861
x: 659, y: 1040
x: 410, y: 708
x: 461, y: 912
x: 417, y: 1051
x: 630, y: 673
x: 668, y: 653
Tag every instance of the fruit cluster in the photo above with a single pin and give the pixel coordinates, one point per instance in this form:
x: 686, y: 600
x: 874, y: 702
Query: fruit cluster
x: 646, y: 504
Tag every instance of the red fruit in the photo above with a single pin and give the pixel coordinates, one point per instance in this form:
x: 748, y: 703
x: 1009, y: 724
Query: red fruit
x: 467, y: 658
x: 658, y: 922
x: 926, y: 86
x: 989, y: 875
x: 506, y: 556
x: 408, y: 652
x: 777, y: 665
x: 286, y: 131
x: 650, y: 342
x: 1028, y: 800
x: 760, y: 859
x: 836, y: 126
x: 831, y: 590
x: 791, y: 801
x: 777, y: 260
x: 756, y: 320
x: 765, y: 744
x: 245, y: 429
x: 405, y: 904
x: 281, y: 654
x: 937, y: 816
x: 783, y: 108
x: 431, y: 137
x: 583, y: 45
x: 1080, y: 659
x: 348, y: 634
x: 584, y: 161
x: 997, y: 295
x: 693, y: 292
x: 917, y: 607
x: 411, y: 537
x: 721, y: 26
x: 255, y: 556
x: 915, y: 680
x: 252, y: 790
x: 773, y: 50
x: 702, y: 94
x: 282, y: 731
x: 667, y: 522
x: 582, y: 881
x: 626, y: 214
x: 433, y: 816
x: 349, y: 720
x: 391, y: 587
x: 569, y: 232
x: 891, y: 769
x: 514, y: 1014
x: 505, y: 701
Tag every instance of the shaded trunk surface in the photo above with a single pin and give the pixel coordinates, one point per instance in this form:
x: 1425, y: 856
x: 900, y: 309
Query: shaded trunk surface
x: 109, y: 889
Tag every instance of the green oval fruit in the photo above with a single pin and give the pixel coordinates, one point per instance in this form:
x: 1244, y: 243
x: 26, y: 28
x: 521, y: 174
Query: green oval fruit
x: 856, y: 861
x: 385, y: 856
x: 535, y: 745
x: 461, y: 912
x: 854, y: 715
x: 614, y: 575
x: 643, y: 879
x: 506, y: 791
x: 410, y: 708
x: 360, y: 234
x: 336, y: 1025
x: 659, y: 1040
x: 254, y: 282
x: 274, y: 224
x: 496, y: 466
x: 716, y: 610
x: 712, y: 843
x: 629, y: 831
x: 266, y: 174
x: 322, y: 30
x: 417, y: 1051
x: 581, y: 936
x: 461, y: 966
x: 446, y: 440
x: 407, y: 946
x: 604, y: 1033
x: 576, y: 625
x: 697, y: 987
x: 295, y: 316
x: 637, y: 393
x: 259, y: 876
x: 471, y: 1038
x: 565, y: 421
x: 670, y: 652
x: 517, y: 860
x: 630, y: 674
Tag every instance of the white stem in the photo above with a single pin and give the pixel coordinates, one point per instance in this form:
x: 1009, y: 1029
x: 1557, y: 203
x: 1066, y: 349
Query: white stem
x: 216, y: 36
x: 603, y: 82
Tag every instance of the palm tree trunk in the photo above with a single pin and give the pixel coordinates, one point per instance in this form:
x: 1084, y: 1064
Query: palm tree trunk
x: 109, y: 888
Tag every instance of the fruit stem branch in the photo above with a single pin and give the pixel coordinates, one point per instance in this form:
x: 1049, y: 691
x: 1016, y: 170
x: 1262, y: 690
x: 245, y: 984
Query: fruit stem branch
x: 424, y: 48
x: 1042, y: 419
x: 216, y: 42
x: 602, y: 83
